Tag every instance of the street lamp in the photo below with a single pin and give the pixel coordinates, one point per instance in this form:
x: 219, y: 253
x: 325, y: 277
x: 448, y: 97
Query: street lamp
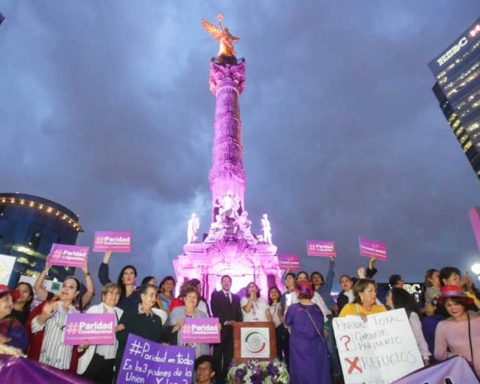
x: 476, y: 269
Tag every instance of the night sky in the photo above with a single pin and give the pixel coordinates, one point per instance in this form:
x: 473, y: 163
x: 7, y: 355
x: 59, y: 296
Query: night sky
x: 105, y: 108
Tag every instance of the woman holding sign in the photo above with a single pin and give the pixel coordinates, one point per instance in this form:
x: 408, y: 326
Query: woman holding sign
x: 178, y: 315
x: 97, y: 362
x: 364, y: 301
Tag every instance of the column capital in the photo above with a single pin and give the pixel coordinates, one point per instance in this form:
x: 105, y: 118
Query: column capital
x: 227, y: 75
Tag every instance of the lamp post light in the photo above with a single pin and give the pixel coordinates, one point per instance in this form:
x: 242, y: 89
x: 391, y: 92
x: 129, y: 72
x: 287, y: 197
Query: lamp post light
x: 476, y: 269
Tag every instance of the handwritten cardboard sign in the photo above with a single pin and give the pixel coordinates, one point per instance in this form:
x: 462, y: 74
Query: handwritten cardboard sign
x: 379, y: 350
x: 147, y: 362
x: 286, y: 262
x: 115, y: 241
x: 68, y: 255
x: 321, y: 248
x: 94, y: 328
x: 200, y: 330
x: 371, y: 248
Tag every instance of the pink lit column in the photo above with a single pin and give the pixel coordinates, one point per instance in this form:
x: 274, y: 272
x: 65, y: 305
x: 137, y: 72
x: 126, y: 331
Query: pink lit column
x: 227, y: 172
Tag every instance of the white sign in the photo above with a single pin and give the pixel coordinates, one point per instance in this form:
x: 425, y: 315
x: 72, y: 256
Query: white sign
x: 6, y: 267
x: 379, y: 350
x: 255, y: 342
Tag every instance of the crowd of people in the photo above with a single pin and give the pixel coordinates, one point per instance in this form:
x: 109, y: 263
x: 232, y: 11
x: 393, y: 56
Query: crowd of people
x: 444, y: 320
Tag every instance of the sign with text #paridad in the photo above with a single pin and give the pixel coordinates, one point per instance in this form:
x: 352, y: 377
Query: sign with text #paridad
x: 371, y: 248
x: 68, y: 255
x: 379, y: 350
x: 321, y: 248
x: 147, y: 362
x: 115, y: 241
x: 94, y: 328
x: 287, y: 262
x: 201, y: 330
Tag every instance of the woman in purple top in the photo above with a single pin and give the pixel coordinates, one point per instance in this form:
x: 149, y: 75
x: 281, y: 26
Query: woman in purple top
x: 308, y: 352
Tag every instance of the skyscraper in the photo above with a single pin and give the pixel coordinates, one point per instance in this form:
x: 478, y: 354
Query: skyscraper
x: 457, y: 88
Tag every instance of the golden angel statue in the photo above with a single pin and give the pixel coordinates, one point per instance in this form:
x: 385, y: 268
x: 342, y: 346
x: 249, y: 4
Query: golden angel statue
x: 222, y: 35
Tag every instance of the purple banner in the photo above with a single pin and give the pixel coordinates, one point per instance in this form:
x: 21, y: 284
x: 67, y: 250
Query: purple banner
x: 26, y: 371
x: 203, y: 330
x: 474, y: 214
x: 321, y: 248
x: 114, y: 241
x: 371, y: 248
x: 147, y: 362
x: 94, y: 328
x: 287, y: 262
x: 68, y: 255
x: 454, y: 370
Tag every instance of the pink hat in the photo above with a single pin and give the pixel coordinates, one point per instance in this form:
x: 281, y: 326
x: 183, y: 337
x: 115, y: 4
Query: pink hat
x: 453, y: 291
x: 4, y: 290
x: 304, y: 287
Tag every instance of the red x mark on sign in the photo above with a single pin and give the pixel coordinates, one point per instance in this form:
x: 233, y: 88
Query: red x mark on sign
x: 353, y: 365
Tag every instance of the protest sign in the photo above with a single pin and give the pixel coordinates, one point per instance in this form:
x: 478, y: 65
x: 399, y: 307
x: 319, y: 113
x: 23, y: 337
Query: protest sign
x: 94, y: 328
x: 147, y: 362
x: 201, y: 330
x: 321, y: 248
x: 114, y: 241
x: 372, y: 248
x: 474, y: 214
x: 379, y: 350
x: 6, y: 267
x: 68, y: 255
x: 452, y: 371
x: 287, y: 262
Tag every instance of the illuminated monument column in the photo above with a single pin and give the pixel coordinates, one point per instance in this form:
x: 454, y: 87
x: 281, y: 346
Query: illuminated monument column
x: 230, y: 247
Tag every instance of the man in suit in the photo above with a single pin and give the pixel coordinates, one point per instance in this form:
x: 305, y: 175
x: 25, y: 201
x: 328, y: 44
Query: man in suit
x: 226, y: 306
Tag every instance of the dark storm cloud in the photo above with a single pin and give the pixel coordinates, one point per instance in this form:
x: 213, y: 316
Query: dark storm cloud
x: 105, y: 108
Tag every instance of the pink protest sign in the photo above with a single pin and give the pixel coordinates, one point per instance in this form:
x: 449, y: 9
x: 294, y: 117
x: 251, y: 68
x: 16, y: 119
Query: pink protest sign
x: 321, y: 248
x: 68, y: 255
x: 474, y: 214
x: 372, y: 248
x: 203, y: 330
x: 94, y: 328
x: 286, y: 262
x: 114, y: 241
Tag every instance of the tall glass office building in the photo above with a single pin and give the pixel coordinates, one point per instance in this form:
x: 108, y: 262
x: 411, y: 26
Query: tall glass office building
x: 29, y: 225
x: 457, y: 88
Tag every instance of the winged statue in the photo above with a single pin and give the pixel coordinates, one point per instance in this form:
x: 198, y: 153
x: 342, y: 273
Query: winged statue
x: 222, y: 35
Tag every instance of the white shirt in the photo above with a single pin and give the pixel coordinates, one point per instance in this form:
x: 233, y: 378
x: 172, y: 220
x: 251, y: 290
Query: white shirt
x: 258, y: 312
x: 274, y: 311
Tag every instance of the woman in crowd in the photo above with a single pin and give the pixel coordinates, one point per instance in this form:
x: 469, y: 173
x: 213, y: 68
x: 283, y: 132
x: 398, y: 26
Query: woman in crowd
x: 97, y: 361
x: 43, y: 294
x: 21, y: 306
x: 151, y: 280
x: 459, y: 334
x: 399, y: 298
x: 12, y: 332
x: 281, y: 333
x: 177, y: 317
x: 346, y: 294
x: 308, y: 352
x: 254, y: 308
x: 166, y: 291
x: 452, y: 276
x: 432, y: 285
x: 129, y: 295
x: 316, y: 298
x: 324, y: 287
x: 365, y: 300
x: 202, y: 303
x: 142, y: 321
x: 47, y: 323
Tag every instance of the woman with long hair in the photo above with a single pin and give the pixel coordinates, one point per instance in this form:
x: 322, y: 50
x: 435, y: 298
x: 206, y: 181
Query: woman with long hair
x: 129, y: 295
x: 400, y: 298
x: 459, y: 334
x: 166, y: 291
x: 21, y: 306
x: 254, y: 308
x: 12, y: 332
x: 281, y: 333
